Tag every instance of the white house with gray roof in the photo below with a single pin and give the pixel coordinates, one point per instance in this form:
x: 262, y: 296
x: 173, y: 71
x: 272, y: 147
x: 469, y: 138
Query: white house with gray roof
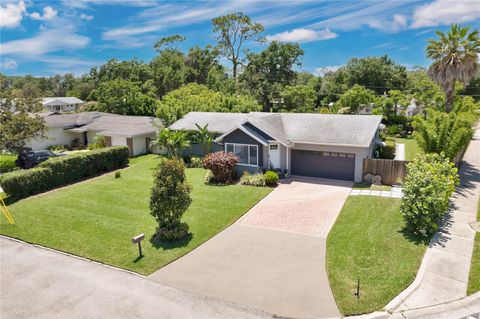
x: 307, y: 144
x: 61, y: 104
x: 136, y: 132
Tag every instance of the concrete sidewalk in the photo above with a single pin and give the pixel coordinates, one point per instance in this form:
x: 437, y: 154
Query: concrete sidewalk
x: 37, y: 282
x: 399, y: 151
x: 443, y: 274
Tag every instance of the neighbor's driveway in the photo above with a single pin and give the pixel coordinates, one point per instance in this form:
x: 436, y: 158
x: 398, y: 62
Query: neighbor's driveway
x: 273, y: 258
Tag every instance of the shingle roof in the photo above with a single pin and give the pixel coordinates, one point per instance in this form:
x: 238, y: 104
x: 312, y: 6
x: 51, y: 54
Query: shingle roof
x: 114, y: 124
x: 62, y: 100
x: 351, y: 130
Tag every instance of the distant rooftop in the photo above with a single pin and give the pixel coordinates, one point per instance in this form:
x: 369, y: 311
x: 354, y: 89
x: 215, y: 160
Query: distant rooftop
x: 62, y: 100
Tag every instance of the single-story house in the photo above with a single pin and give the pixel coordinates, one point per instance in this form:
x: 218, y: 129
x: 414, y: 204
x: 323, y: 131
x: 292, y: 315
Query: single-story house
x: 136, y: 132
x: 318, y: 145
x: 61, y: 104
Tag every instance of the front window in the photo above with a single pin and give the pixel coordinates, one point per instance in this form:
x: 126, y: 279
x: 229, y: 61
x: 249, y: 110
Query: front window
x: 247, y: 154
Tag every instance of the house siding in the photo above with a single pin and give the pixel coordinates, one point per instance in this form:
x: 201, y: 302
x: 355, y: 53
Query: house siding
x: 240, y: 137
x: 56, y: 136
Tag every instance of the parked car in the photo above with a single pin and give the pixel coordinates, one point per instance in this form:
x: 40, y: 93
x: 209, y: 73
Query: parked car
x: 31, y: 159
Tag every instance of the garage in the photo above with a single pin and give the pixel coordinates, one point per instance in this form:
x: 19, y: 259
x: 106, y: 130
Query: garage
x: 334, y: 165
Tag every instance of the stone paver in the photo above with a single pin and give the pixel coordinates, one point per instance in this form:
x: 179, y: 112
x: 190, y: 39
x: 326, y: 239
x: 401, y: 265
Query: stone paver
x: 42, y: 283
x: 443, y: 274
x: 300, y: 205
x: 394, y: 192
x: 273, y: 259
x: 399, y: 151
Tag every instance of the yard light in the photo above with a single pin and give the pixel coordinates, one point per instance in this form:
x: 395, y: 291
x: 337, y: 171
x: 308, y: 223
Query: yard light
x: 138, y: 240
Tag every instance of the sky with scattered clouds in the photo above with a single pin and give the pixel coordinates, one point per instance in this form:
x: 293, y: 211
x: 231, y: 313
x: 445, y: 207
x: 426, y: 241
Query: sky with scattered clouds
x: 70, y: 36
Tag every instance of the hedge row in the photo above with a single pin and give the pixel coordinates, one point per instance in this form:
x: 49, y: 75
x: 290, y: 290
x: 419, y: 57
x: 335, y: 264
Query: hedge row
x: 65, y: 170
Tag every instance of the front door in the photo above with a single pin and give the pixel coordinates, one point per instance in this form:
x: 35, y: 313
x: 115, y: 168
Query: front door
x: 274, y: 155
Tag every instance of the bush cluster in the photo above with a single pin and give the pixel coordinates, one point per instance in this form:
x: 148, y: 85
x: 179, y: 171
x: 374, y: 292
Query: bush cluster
x: 271, y: 178
x: 169, y: 199
x: 61, y: 171
x: 387, y: 151
x: 222, y: 165
x: 59, y: 148
x: 193, y: 161
x: 427, y: 188
x: 252, y: 179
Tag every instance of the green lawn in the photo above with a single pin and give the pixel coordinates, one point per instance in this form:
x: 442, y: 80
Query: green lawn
x: 474, y: 279
x: 366, y: 242
x: 97, y: 218
x: 7, y: 162
x: 411, y: 147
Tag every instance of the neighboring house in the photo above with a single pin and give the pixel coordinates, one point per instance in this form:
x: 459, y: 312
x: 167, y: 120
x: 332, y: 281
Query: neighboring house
x: 413, y: 108
x: 136, y: 132
x: 61, y: 104
x: 317, y: 145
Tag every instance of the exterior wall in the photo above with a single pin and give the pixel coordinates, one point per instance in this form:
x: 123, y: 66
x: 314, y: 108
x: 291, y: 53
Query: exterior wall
x: 360, y: 154
x: 195, y: 149
x: 55, y: 136
x: 119, y: 141
x: 240, y: 137
x: 139, y: 145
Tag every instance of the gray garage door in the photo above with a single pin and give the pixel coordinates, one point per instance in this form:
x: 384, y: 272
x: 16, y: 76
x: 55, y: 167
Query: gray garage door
x: 323, y: 164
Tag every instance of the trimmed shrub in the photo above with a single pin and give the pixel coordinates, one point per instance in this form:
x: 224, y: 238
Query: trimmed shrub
x: 209, y: 177
x: 221, y: 164
x: 427, y: 188
x: 252, y: 179
x: 271, y: 178
x: 169, y: 199
x: 60, y: 171
x: 118, y: 174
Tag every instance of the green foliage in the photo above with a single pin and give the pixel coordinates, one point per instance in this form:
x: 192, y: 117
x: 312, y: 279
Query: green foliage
x: 231, y: 32
x: 195, y: 97
x: 221, y: 164
x: 169, y: 43
x: 173, y: 141
x: 271, y: 178
x: 252, y: 179
x: 427, y: 188
x: 356, y: 98
x: 387, y: 151
x: 443, y: 132
x: 59, y: 148
x: 20, y: 120
x: 169, y: 199
x: 99, y: 142
x: 298, y: 98
x: 209, y: 178
x: 7, y: 162
x: 123, y: 97
x: 269, y: 71
x: 455, y: 59
x: 169, y: 71
x: 196, y: 162
x: 204, y: 137
x: 118, y: 174
x: 64, y: 170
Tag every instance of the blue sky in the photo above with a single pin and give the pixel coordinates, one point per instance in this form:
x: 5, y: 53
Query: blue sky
x: 70, y: 36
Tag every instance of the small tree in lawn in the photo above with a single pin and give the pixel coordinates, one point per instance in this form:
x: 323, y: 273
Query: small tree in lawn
x: 169, y: 199
x: 221, y: 164
x: 427, y: 188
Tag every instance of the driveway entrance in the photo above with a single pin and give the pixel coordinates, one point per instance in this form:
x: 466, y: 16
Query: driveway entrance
x: 272, y: 259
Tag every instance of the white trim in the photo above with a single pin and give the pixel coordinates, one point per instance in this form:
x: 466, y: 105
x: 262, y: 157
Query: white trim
x: 248, y: 145
x: 321, y: 144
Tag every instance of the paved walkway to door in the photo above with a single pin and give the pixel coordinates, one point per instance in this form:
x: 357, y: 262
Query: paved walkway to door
x: 273, y: 259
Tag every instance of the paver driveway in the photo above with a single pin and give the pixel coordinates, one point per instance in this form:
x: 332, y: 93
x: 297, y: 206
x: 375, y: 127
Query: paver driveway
x: 273, y: 258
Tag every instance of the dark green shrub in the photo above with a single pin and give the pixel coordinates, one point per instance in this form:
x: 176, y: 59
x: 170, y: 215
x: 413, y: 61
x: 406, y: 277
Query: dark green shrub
x: 271, y: 178
x: 387, y: 151
x: 60, y: 171
x: 252, y: 179
x: 169, y: 199
x: 427, y: 188
x: 118, y: 174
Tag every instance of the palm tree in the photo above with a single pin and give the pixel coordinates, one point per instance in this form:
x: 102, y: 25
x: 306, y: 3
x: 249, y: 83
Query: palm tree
x: 454, y: 58
x: 204, y: 137
x: 172, y: 141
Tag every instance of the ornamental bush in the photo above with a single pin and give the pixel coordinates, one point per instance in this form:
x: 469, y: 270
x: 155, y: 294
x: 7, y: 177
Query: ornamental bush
x: 221, y: 164
x: 427, y: 188
x: 60, y: 171
x: 169, y: 199
x: 252, y: 179
x: 271, y: 178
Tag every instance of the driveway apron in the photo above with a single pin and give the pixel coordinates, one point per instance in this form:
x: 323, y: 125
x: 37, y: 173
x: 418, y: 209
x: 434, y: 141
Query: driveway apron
x: 273, y: 258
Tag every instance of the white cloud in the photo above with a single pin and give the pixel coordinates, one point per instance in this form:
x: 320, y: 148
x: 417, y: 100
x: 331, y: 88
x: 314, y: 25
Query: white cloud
x: 48, y: 14
x: 9, y: 64
x: 58, y: 38
x: 326, y: 69
x: 444, y: 12
x: 302, y: 35
x: 87, y: 17
x: 68, y: 64
x: 398, y: 23
x: 12, y: 14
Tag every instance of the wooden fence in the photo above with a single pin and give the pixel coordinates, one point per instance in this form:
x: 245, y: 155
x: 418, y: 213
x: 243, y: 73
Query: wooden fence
x: 390, y: 170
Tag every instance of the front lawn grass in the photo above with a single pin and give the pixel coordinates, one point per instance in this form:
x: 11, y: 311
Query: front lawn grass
x: 411, y: 147
x: 367, y: 242
x: 474, y: 278
x: 97, y: 218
